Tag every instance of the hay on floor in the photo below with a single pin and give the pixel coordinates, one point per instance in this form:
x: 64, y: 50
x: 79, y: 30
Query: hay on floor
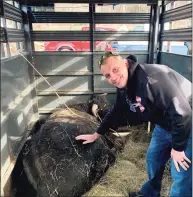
x: 129, y: 172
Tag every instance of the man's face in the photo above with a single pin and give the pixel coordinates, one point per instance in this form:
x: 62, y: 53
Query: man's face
x: 115, y: 71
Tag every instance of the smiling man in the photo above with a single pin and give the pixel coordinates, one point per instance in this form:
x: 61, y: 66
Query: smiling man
x: 155, y: 93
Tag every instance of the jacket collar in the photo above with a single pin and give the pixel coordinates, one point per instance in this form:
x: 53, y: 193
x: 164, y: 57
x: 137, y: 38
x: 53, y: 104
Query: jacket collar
x: 131, y: 69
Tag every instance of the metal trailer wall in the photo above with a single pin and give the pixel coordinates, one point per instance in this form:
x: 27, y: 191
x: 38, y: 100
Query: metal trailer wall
x: 180, y: 63
x: 72, y: 75
x: 75, y: 75
x: 18, y: 99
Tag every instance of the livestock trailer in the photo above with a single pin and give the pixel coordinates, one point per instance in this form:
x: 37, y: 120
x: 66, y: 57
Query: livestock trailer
x: 63, y: 40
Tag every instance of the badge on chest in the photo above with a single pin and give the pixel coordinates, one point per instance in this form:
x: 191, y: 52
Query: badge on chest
x: 133, y: 106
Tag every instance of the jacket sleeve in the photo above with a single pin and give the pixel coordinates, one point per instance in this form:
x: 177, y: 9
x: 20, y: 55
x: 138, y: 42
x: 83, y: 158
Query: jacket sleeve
x: 167, y: 96
x: 111, y: 119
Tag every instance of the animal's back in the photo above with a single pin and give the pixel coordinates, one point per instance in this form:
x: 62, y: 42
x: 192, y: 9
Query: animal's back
x: 57, y: 164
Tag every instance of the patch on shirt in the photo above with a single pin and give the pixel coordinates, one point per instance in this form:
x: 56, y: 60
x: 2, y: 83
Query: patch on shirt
x: 133, y: 106
x: 138, y: 99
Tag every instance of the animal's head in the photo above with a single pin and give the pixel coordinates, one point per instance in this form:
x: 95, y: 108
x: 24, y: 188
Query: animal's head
x: 99, y: 105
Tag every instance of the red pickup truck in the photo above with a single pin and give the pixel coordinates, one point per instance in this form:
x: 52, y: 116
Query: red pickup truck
x: 79, y: 45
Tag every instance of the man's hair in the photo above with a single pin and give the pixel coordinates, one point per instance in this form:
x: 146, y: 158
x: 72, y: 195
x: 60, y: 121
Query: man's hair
x: 132, y: 58
x: 106, y: 56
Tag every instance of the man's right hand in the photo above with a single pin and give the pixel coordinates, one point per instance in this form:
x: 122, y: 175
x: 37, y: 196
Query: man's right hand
x: 88, y: 138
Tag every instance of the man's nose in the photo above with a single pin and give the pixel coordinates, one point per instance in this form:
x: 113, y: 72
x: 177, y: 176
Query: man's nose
x: 113, y: 78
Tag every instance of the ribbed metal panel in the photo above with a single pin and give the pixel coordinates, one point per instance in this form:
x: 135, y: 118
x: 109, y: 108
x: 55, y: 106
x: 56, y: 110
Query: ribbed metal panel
x: 15, y: 35
x: 70, y: 73
x: 121, y: 18
x: 63, y: 63
x: 16, y: 110
x: 45, y: 109
x: 81, y: 17
x: 59, y: 17
x: 126, y: 36
x: 3, y: 34
x: 12, y: 13
x: 178, y: 13
x: 49, y: 102
x: 65, y: 84
x: 177, y: 35
x: 180, y: 63
x: 60, y: 35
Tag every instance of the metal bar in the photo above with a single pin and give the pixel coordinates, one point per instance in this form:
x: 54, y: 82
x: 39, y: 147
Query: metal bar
x: 28, y: 47
x: 63, y: 93
x: 161, y: 30
x: 31, y: 29
x: 92, y: 28
x: 2, y: 50
x: 60, y: 35
x: 182, y: 12
x: 16, y: 27
x: 161, y: 25
x: 46, y: 2
x: 92, y: 45
x: 150, y: 43
x: 68, y: 73
x: 5, y: 26
x: 1, y: 9
x: 59, y: 53
x: 59, y: 17
x: 12, y: 13
x: 83, y: 17
x: 3, y: 35
x: 125, y: 53
x: 177, y: 35
x: 122, y: 18
x: 153, y: 34
x: 125, y: 36
x: 81, y: 35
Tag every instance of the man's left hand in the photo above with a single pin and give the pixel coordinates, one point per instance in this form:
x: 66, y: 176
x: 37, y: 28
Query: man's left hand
x: 180, y: 159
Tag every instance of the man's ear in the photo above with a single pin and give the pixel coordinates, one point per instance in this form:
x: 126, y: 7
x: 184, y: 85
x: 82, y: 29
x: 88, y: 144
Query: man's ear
x: 126, y: 63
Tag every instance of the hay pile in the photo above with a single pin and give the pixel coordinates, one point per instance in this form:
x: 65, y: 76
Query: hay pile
x: 129, y: 172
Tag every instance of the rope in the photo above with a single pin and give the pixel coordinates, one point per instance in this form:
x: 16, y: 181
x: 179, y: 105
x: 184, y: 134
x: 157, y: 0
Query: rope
x: 65, y: 103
